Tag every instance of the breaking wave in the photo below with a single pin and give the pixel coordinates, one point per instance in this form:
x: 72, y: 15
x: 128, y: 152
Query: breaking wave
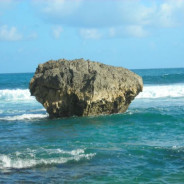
x: 24, y: 117
x: 162, y: 91
x: 15, y: 94
x: 31, y: 158
x: 153, y: 91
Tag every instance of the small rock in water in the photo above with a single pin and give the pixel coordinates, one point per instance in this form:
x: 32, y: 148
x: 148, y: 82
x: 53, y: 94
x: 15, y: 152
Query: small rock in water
x: 84, y: 88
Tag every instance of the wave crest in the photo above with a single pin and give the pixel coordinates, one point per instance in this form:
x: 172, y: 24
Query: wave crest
x: 153, y: 91
x: 164, y: 91
x: 24, y: 117
x: 32, y: 158
x: 15, y: 94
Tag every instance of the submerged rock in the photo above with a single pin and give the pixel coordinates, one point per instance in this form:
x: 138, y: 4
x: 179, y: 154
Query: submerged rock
x: 83, y: 88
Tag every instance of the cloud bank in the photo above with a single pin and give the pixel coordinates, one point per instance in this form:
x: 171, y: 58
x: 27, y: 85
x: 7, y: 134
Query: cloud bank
x: 103, y: 18
x: 121, y: 17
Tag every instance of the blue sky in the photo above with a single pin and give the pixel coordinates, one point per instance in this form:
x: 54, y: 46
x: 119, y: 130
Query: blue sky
x: 129, y: 33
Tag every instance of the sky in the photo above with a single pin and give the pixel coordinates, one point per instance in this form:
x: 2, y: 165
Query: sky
x: 135, y: 34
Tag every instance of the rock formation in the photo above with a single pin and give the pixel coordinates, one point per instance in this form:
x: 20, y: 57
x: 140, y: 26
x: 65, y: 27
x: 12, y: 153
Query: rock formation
x: 83, y: 88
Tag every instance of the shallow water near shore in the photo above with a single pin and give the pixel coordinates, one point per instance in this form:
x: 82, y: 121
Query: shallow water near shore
x: 143, y: 145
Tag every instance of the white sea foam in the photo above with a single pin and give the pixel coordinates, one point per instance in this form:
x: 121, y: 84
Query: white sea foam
x: 24, y: 117
x: 73, y: 152
x: 32, y: 158
x: 163, y: 91
x: 154, y: 91
x: 15, y: 111
x: 16, y: 94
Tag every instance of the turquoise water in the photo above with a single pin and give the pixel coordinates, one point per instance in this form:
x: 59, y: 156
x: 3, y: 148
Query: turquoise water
x: 144, y: 145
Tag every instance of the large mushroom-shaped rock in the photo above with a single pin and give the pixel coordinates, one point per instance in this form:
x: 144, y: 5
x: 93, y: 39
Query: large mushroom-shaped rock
x: 83, y: 88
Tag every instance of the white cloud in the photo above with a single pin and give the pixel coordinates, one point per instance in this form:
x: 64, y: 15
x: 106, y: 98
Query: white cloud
x: 136, y: 31
x: 57, y: 8
x: 171, y: 13
x: 112, y: 32
x: 90, y: 33
x: 33, y: 36
x: 132, y: 17
x: 6, y: 4
x: 9, y: 34
x: 127, y: 30
x: 57, y: 32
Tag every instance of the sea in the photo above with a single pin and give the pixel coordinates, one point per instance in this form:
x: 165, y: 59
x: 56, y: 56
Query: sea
x: 143, y: 145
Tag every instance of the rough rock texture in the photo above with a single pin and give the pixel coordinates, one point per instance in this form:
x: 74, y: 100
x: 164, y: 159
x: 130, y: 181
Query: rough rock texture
x: 83, y: 88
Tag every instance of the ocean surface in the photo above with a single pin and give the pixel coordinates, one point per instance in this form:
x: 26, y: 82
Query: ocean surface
x: 143, y: 145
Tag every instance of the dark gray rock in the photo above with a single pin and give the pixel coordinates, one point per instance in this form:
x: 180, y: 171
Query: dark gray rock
x: 83, y: 88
